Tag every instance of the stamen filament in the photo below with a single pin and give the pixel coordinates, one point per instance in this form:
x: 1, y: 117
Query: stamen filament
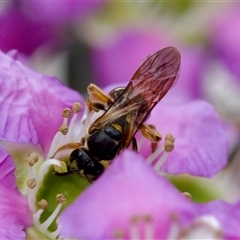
x: 153, y: 156
x: 32, y: 191
x: 49, y: 221
x: 134, y: 231
x: 160, y: 161
x: 36, y: 217
x: 76, y: 109
x: 70, y: 128
x: 31, y: 199
x: 54, y: 144
x: 43, y: 227
x: 55, y: 234
x: 174, y: 228
x: 45, y: 166
x: 84, y: 123
x: 31, y: 172
x: 148, y: 230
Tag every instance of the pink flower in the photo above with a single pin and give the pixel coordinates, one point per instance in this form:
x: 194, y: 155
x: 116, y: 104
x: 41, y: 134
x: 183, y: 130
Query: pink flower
x: 200, y: 145
x: 31, y: 104
x: 128, y: 189
x: 224, y: 37
x: 116, y: 61
x: 28, y: 25
x: 15, y: 214
x: 130, y: 201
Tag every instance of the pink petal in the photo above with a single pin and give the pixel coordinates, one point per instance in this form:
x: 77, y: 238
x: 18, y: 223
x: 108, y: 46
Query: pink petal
x: 117, y: 62
x: 14, y: 212
x: 200, y: 141
x: 225, y: 37
x: 22, y: 33
x: 128, y: 188
x: 31, y: 103
x: 61, y: 12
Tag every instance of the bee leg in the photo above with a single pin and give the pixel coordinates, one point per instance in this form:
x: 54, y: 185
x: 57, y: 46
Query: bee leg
x: 96, y: 106
x: 67, y: 146
x: 96, y: 94
x: 134, y: 144
x: 150, y: 132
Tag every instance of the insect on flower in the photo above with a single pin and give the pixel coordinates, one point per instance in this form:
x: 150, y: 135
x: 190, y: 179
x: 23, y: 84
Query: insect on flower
x: 125, y: 111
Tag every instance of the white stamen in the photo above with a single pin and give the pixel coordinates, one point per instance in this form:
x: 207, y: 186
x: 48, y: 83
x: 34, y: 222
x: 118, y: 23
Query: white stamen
x: 55, y: 234
x: 31, y: 199
x: 68, y: 137
x: 49, y: 221
x: 154, y: 155
x: 31, y: 172
x: 31, y: 191
x: 160, y: 161
x: 85, y: 122
x: 65, y: 120
x: 174, y: 228
x: 36, y: 217
x: 148, y: 230
x: 55, y: 143
x: 45, y: 166
x: 134, y: 231
x: 43, y: 227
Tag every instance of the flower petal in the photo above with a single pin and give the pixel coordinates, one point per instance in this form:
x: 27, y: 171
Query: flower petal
x: 31, y: 103
x: 14, y: 212
x: 61, y: 12
x: 129, y: 187
x: 225, y: 37
x: 137, y: 42
x: 16, y: 27
x: 201, y: 143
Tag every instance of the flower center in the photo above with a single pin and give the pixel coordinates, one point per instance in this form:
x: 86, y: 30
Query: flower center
x: 45, y: 219
x: 70, y: 136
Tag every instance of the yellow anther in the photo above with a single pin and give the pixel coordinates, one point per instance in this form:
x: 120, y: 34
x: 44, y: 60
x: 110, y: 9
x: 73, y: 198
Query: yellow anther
x: 63, y: 129
x: 61, y: 198
x: 43, y: 204
x: 62, y: 168
x: 76, y: 107
x: 118, y: 234
x: 135, y: 219
x: 66, y: 113
x: 32, y: 159
x: 147, y: 218
x: 187, y: 195
x: 32, y: 182
x: 169, y: 142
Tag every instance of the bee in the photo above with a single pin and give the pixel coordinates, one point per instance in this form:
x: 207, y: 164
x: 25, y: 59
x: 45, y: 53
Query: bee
x: 125, y: 111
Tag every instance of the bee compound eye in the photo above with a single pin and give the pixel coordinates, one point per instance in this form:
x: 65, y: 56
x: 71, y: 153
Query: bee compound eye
x: 76, y: 154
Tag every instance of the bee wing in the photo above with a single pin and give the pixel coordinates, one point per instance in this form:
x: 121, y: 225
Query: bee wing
x: 155, y: 76
x: 150, y: 83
